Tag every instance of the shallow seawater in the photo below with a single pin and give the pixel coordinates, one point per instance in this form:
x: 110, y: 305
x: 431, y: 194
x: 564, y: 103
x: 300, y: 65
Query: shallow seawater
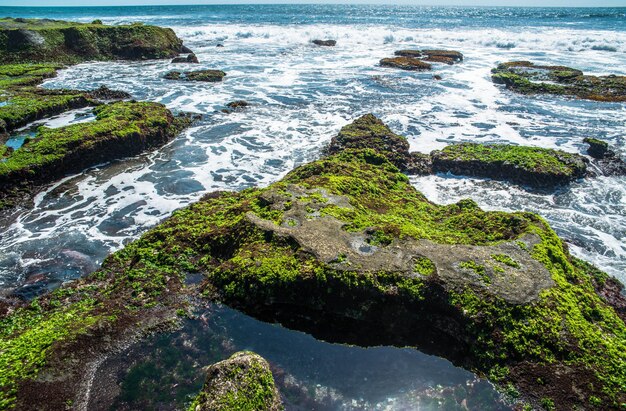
x: 300, y: 95
x: 168, y: 370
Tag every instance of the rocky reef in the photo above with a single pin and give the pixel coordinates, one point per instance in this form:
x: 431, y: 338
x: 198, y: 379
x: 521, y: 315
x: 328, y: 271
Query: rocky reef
x: 119, y: 130
x: 122, y: 129
x: 531, y: 166
x: 435, y: 56
x: 419, y: 60
x: 242, y: 382
x: 210, y: 76
x: 190, y: 58
x: 526, y: 77
x: 345, y: 248
x: 39, y: 40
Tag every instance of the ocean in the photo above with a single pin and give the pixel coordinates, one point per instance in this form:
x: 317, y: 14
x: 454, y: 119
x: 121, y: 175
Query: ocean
x: 300, y: 95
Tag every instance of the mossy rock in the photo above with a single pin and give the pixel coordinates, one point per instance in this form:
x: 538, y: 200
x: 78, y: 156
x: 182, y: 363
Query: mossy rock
x: 597, y: 148
x: 243, y: 382
x: 44, y: 40
x: 345, y: 248
x: 120, y: 129
x: 434, y: 56
x: 527, y: 78
x: 532, y: 166
x: 190, y: 58
x: 405, y: 63
x: 210, y: 76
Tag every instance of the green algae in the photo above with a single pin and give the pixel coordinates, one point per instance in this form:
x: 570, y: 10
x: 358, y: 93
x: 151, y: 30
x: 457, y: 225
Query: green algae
x: 34, y: 40
x: 252, y: 267
x: 530, y: 159
x: 527, y: 78
x: 243, y: 382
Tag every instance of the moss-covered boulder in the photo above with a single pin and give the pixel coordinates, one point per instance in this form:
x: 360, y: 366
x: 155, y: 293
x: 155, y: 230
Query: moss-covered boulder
x: 346, y: 249
x: 532, y: 166
x: 526, y: 77
x: 243, y: 382
x: 434, y: 56
x: 44, y: 40
x: 210, y: 76
x: 119, y: 130
x: 606, y: 161
x: 405, y: 63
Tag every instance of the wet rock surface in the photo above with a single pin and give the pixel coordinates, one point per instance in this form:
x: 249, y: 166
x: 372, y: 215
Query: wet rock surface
x: 243, y: 382
x: 105, y: 93
x: 327, y: 43
x: 190, y: 58
x: 434, y: 56
x: 406, y: 63
x: 526, y: 77
x: 210, y: 76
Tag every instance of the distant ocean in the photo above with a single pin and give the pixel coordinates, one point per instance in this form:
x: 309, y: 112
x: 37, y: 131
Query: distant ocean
x: 301, y: 95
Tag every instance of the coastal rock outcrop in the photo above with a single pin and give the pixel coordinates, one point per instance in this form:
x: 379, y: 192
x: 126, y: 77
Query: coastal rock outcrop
x: 406, y: 63
x: 348, y: 250
x: 607, y: 161
x: 70, y: 42
x: 532, y: 166
x: 120, y: 129
x: 242, y: 382
x: 526, y: 77
x: 211, y: 76
x: 435, y: 56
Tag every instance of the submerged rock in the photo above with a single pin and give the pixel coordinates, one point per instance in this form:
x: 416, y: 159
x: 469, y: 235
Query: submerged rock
x: 327, y: 43
x: 191, y: 58
x: 235, y: 106
x: 405, y: 63
x: 211, y: 76
x: 243, y: 382
x: 527, y: 78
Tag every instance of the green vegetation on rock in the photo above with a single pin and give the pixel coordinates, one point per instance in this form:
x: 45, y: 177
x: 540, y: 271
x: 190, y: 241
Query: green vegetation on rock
x: 341, y: 246
x: 36, y: 41
x: 528, y: 165
x: 527, y: 78
x: 243, y: 382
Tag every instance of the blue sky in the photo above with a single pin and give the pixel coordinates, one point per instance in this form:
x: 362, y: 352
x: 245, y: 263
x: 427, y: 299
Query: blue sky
x: 562, y: 3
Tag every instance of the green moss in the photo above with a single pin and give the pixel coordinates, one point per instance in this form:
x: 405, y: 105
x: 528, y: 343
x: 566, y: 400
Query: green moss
x: 506, y: 260
x: 527, y: 78
x: 27, y: 338
x: 530, y: 159
x: 424, y: 266
x: 71, y: 42
x: 478, y: 269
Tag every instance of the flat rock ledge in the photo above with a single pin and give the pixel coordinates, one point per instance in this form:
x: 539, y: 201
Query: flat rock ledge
x: 346, y: 249
x: 211, y: 76
x: 525, y: 77
x: 419, y: 60
x: 243, y: 382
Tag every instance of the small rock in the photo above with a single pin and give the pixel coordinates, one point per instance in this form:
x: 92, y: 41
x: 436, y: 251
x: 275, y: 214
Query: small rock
x: 437, y: 77
x: 185, y: 49
x: 597, y: 148
x: 327, y: 43
x: 219, y: 45
x: 238, y: 104
x: 405, y: 63
x: 105, y: 93
x: 191, y: 58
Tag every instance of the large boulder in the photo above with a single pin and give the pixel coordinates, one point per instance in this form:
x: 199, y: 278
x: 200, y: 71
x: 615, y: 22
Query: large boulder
x: 243, y: 382
x: 211, y: 76
x: 405, y: 63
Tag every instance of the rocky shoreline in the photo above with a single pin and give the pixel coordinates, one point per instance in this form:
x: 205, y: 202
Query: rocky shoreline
x: 344, y: 247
